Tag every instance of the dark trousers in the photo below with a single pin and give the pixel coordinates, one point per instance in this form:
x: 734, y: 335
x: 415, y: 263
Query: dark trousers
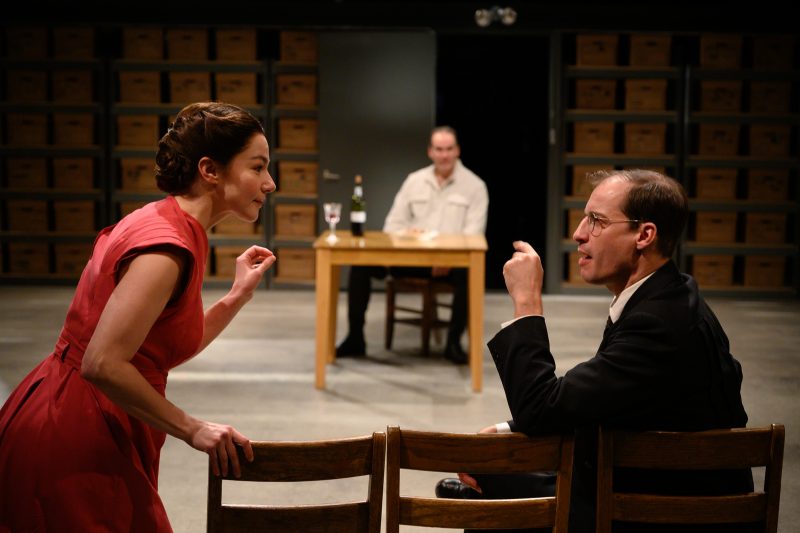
x: 359, y: 290
x: 504, y: 486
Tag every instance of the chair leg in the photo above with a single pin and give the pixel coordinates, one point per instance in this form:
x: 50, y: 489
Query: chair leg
x: 389, y: 333
x: 428, y: 304
x: 437, y: 335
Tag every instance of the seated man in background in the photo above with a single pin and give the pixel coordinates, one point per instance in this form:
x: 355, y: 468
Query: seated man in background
x: 445, y: 197
x: 663, y: 363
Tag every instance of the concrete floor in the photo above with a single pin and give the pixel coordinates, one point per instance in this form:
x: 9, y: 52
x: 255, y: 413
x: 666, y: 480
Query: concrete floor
x: 258, y: 376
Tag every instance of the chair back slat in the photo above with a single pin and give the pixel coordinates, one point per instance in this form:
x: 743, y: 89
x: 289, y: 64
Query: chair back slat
x: 515, y: 453
x: 706, y: 450
x: 477, y: 453
x: 697, y: 510
x: 316, y: 518
x: 282, y: 461
x: 519, y: 514
x: 719, y: 449
x: 311, y: 461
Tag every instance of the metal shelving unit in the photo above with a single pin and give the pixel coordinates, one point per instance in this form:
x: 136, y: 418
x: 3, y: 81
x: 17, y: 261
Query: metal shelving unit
x: 683, y: 117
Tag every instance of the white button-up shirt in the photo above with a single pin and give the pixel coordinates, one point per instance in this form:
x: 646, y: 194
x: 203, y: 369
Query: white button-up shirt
x: 458, y: 205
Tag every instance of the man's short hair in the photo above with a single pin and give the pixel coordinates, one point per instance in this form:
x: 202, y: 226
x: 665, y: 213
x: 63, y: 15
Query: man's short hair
x: 442, y: 129
x: 653, y: 197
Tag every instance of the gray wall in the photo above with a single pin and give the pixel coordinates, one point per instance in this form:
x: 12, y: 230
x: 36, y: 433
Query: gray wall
x: 377, y: 106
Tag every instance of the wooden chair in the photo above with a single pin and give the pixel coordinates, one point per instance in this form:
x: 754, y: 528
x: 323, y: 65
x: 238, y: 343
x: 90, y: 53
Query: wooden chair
x: 703, y: 450
x: 427, y: 317
x: 305, y: 461
x: 476, y: 453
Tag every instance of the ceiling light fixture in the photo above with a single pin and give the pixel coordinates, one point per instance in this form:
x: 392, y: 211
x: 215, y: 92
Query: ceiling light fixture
x: 485, y: 17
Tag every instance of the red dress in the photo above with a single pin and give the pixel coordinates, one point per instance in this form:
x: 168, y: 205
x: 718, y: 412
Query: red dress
x: 70, y: 459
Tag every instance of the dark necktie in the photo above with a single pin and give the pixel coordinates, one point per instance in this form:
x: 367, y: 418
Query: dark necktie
x: 609, y: 323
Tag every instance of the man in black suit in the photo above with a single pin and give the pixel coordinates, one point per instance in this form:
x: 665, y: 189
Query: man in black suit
x: 663, y: 364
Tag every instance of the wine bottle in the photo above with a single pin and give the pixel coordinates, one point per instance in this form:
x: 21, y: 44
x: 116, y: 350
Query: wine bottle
x: 358, y: 213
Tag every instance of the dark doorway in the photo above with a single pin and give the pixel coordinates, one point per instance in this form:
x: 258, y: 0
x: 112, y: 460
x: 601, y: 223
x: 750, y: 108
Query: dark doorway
x: 493, y: 90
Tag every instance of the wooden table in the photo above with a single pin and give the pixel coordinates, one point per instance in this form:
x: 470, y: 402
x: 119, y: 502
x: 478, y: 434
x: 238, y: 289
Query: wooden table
x: 383, y: 249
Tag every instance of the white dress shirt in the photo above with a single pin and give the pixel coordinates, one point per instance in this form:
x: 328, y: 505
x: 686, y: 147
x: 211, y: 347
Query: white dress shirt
x: 459, y: 205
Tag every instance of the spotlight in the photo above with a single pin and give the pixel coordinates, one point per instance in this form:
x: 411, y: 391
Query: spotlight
x: 508, y: 15
x: 485, y: 17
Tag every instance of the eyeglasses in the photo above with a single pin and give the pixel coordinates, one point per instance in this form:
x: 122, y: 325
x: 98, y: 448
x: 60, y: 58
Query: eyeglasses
x: 598, y: 224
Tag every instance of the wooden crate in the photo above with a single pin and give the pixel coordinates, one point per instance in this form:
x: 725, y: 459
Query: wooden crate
x: 236, y: 87
x: 236, y: 44
x: 26, y: 86
x: 73, y: 129
x: 721, y: 95
x: 298, y: 133
x: 597, y: 49
x: 28, y: 258
x: 595, y: 94
x: 138, y: 174
x: 764, y: 271
x: 645, y: 95
x: 645, y: 138
x: 768, y: 184
x: 26, y: 172
x: 594, y: 137
x: 74, y: 216
x: 73, y: 86
x: 297, y: 89
x: 574, y: 271
x: 188, y: 87
x: 73, y: 172
x: 650, y: 49
x: 26, y: 42
x: 773, y: 52
x: 765, y: 228
x: 26, y: 129
x: 574, y: 218
x: 718, y: 139
x: 716, y: 183
x: 73, y: 42
x: 139, y: 87
x: 770, y: 140
x: 137, y: 130
x: 126, y: 208
x: 187, y: 44
x: 715, y: 226
x: 296, y: 220
x: 142, y: 43
x: 652, y: 168
x: 580, y: 185
x: 298, y: 47
x: 297, y: 177
x: 718, y: 50
x: 713, y: 270
x: 27, y: 215
x: 71, y: 258
x: 295, y: 264
x: 225, y: 260
x: 770, y: 96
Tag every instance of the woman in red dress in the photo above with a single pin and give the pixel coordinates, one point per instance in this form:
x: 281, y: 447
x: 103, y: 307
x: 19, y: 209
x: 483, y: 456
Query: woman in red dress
x: 81, y: 435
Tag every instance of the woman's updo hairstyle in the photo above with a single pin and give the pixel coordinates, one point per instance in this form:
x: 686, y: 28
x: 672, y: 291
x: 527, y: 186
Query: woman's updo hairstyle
x: 206, y: 129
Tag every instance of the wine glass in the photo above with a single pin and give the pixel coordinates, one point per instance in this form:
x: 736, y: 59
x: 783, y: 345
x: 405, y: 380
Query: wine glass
x: 333, y: 212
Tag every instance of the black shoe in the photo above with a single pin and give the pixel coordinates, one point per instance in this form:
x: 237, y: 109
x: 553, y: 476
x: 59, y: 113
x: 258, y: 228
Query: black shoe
x: 453, y: 488
x: 455, y: 353
x: 352, y: 347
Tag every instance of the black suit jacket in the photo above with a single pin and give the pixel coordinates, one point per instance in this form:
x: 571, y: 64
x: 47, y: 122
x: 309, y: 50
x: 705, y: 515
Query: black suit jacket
x: 664, y: 365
